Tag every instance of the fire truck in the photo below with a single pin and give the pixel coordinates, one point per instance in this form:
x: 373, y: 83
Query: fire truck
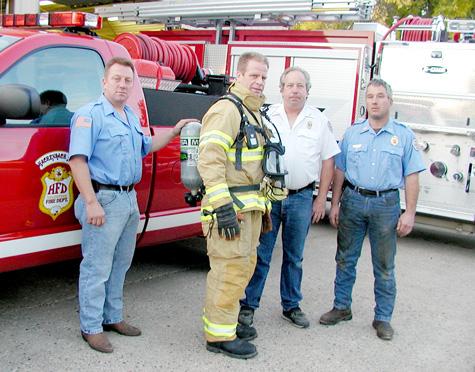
x: 182, y: 72
x: 37, y: 223
x: 433, y: 79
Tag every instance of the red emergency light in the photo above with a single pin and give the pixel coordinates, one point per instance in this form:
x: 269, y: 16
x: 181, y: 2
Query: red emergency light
x: 19, y: 20
x: 31, y: 19
x: 57, y: 19
x: 8, y: 20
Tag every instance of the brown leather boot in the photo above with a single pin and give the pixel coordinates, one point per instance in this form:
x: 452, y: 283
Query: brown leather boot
x: 383, y: 330
x: 335, y: 316
x: 122, y: 328
x: 98, y: 342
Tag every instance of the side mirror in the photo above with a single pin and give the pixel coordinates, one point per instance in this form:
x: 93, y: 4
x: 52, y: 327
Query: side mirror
x: 18, y: 101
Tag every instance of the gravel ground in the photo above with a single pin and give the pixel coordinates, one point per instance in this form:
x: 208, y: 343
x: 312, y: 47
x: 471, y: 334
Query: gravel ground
x: 434, y: 328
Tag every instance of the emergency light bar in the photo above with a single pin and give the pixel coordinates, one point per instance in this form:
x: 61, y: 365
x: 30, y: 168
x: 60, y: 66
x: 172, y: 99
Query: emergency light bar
x: 57, y: 19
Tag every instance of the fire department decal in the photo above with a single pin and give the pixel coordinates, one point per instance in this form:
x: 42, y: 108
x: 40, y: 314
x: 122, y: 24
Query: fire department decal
x: 52, y: 158
x: 57, y: 195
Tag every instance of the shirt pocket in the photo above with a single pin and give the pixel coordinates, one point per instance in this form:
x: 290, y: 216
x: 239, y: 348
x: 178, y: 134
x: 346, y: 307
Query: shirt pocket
x: 391, y: 164
x: 138, y: 138
x: 120, y: 140
x: 357, y: 156
x: 308, y: 142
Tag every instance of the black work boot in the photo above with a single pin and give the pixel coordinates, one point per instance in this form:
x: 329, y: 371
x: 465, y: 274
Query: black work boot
x: 245, y: 332
x: 236, y: 348
x: 335, y: 316
x: 383, y: 330
x: 246, y: 315
x: 296, y: 317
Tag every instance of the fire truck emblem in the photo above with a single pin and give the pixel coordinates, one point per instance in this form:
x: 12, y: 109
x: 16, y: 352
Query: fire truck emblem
x: 394, y: 140
x: 57, y: 195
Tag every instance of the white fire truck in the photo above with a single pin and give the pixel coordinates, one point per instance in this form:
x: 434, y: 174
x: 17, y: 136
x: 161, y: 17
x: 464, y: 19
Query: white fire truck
x: 433, y: 80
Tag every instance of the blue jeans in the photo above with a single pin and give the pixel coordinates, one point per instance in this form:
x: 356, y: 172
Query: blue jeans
x: 294, y: 213
x: 107, y: 254
x: 378, y: 216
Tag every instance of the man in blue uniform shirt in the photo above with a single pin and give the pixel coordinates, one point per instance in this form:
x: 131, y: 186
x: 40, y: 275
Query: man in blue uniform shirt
x: 377, y: 158
x: 105, y: 155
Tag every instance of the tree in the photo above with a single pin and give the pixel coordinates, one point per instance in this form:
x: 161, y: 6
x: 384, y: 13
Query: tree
x: 385, y: 10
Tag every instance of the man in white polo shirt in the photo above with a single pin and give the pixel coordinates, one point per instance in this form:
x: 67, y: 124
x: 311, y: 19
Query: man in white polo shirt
x: 309, y: 150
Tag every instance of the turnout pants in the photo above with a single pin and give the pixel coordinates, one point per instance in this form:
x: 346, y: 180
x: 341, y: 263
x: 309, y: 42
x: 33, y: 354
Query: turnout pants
x: 232, y: 265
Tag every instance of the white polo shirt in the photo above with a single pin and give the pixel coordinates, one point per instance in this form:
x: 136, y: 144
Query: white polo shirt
x: 308, y: 142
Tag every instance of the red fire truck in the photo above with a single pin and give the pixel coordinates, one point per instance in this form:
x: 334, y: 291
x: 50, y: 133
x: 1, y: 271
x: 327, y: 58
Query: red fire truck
x: 432, y: 76
x: 37, y: 223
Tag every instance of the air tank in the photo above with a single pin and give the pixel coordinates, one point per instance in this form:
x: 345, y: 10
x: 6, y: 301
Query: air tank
x: 189, y: 142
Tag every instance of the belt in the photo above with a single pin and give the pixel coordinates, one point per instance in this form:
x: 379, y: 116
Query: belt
x: 100, y: 186
x: 309, y: 186
x: 366, y: 192
x: 245, y: 188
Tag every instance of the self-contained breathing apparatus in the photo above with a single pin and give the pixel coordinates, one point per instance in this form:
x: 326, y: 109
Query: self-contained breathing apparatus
x: 190, y: 177
x: 273, y: 184
x: 273, y: 164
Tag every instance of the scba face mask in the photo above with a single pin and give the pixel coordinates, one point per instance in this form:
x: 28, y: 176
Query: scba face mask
x: 274, y: 170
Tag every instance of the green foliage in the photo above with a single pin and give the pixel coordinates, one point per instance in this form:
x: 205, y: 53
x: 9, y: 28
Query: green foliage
x: 385, y: 10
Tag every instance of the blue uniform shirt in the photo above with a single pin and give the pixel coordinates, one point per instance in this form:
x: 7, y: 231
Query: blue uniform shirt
x: 379, y: 161
x: 114, y: 147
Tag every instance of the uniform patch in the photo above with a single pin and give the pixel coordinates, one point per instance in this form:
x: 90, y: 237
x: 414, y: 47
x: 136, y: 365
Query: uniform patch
x: 309, y: 124
x: 394, y: 140
x: 357, y: 146
x: 83, y: 122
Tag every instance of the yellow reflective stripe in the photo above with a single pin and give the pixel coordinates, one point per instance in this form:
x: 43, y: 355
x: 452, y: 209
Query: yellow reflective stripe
x: 247, y: 154
x: 219, y: 330
x: 217, y: 192
x: 218, y: 186
x: 217, y: 137
x: 253, y: 201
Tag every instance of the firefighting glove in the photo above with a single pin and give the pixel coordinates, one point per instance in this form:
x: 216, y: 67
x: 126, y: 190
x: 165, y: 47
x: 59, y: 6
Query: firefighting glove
x: 228, y: 225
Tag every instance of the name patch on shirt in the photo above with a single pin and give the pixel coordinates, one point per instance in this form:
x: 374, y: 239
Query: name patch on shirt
x: 83, y: 122
x: 357, y: 146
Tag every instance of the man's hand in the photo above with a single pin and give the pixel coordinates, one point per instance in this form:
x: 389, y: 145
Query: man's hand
x: 319, y: 208
x: 179, y: 126
x: 405, y: 223
x: 95, y: 214
x: 335, y: 216
x: 266, y: 222
x: 228, y: 225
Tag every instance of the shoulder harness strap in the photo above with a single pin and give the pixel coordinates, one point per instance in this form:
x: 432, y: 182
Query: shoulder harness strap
x: 239, y: 141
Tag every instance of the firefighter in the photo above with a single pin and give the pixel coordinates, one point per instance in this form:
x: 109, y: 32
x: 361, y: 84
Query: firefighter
x: 233, y: 206
x: 105, y: 155
x: 378, y: 157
